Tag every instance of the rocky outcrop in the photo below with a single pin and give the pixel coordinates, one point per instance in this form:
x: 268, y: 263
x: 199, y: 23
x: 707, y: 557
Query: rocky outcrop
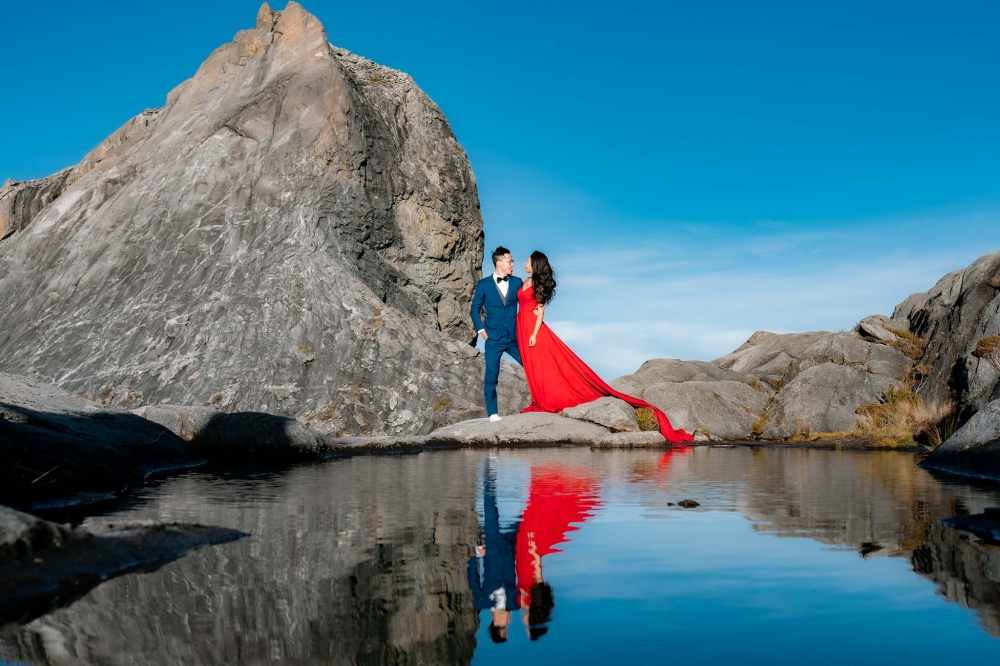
x: 774, y: 386
x: 952, y: 317
x: 45, y: 565
x: 974, y: 449
x: 21, y: 201
x: 612, y: 413
x: 57, y: 448
x: 714, y: 410
x: 297, y: 232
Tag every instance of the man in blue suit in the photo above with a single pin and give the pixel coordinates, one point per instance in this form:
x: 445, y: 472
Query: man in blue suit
x: 497, y: 295
x: 496, y: 589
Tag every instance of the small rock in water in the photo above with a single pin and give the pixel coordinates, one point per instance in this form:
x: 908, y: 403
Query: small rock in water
x: 670, y: 503
x: 688, y: 504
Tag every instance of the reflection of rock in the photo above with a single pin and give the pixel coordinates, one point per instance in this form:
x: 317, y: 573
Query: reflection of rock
x: 44, y: 565
x: 360, y: 562
x: 965, y: 571
x: 875, y: 503
x: 297, y: 231
x: 974, y: 449
x: 57, y: 447
x: 985, y: 525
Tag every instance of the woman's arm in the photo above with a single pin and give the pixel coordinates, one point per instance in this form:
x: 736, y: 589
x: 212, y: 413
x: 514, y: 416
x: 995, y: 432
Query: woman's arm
x: 540, y: 311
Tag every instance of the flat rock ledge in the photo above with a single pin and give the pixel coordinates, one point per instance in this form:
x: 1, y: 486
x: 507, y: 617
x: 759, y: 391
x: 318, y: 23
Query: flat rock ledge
x: 45, y: 565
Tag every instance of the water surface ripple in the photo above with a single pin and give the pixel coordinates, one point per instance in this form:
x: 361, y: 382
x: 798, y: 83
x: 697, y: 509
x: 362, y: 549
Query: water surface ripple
x: 560, y: 555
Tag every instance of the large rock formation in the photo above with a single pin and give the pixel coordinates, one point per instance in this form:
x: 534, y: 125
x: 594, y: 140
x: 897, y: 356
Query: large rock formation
x: 57, y: 448
x: 773, y: 386
x: 297, y: 231
x: 953, y: 316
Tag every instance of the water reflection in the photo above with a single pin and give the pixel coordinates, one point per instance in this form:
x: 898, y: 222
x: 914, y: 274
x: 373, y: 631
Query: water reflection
x: 455, y: 557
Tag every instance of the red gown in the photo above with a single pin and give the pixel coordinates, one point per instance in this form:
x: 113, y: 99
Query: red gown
x: 557, y: 498
x: 558, y: 379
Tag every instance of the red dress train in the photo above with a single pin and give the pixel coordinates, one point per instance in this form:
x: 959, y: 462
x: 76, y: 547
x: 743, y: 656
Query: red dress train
x: 559, y: 498
x: 558, y: 379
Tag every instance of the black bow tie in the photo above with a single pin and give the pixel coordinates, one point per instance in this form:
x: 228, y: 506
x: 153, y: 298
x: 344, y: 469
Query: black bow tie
x: 502, y: 279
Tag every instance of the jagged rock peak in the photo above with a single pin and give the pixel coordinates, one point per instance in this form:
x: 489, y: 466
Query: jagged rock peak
x: 297, y: 230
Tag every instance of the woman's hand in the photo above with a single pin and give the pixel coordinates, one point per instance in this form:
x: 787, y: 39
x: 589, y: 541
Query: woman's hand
x: 532, y: 340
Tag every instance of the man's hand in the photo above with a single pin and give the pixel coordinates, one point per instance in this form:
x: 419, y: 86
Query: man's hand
x: 483, y: 335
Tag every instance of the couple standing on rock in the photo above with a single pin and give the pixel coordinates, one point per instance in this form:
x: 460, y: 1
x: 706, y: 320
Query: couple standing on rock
x: 514, y: 323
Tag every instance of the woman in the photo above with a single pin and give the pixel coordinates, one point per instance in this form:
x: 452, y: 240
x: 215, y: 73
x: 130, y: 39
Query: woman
x: 559, y: 499
x: 557, y: 378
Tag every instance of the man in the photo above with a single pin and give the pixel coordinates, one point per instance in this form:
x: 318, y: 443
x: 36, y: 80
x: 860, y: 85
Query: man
x: 496, y: 589
x: 497, y: 295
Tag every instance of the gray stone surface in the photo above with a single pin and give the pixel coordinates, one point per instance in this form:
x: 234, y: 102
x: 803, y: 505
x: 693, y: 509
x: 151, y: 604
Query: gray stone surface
x: 716, y: 409
x: 768, y: 356
x: 612, y: 413
x: 21, y: 201
x: 961, y: 309
x: 44, y: 565
x: 974, y: 449
x: 823, y: 398
x: 876, y: 327
x: 297, y: 231
x: 57, y: 448
x: 535, y: 427
x: 662, y: 370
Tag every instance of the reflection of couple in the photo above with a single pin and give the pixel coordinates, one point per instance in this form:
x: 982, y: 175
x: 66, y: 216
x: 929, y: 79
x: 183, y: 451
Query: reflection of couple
x: 513, y: 323
x: 512, y: 560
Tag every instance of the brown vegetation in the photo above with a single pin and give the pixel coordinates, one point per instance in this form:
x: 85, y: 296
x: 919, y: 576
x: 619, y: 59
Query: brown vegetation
x: 987, y: 346
x: 902, y: 418
x: 909, y: 343
x: 646, y: 418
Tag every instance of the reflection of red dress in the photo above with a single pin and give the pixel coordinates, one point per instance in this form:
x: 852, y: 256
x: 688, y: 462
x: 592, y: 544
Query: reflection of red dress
x: 558, y: 379
x: 557, y: 498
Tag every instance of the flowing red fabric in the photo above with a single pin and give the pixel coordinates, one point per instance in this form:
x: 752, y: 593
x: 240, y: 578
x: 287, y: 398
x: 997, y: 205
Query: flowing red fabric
x: 558, y: 379
x: 558, y: 497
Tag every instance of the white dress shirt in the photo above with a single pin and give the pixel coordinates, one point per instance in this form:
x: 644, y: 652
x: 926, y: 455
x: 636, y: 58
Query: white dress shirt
x: 502, y: 286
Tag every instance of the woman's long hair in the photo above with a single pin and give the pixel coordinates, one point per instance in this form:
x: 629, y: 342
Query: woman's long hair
x: 542, y: 277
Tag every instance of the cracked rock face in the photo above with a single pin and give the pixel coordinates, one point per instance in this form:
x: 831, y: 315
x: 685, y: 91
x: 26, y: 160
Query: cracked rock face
x: 953, y: 316
x: 297, y: 232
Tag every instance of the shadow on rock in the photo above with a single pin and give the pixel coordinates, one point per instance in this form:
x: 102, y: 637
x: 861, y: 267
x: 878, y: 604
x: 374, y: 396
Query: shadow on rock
x: 60, y: 458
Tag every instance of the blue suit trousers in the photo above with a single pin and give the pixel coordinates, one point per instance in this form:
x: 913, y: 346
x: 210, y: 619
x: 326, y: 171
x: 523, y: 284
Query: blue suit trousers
x: 494, y: 350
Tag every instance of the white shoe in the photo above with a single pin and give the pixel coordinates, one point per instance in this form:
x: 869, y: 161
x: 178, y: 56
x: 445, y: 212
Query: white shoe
x: 494, y: 418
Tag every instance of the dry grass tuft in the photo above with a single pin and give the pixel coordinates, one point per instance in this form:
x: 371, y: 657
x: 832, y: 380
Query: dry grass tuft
x: 760, y: 422
x: 909, y: 343
x: 987, y: 346
x: 777, y: 384
x: 443, y: 402
x: 646, y: 418
x: 995, y: 282
x: 756, y: 385
x: 902, y: 418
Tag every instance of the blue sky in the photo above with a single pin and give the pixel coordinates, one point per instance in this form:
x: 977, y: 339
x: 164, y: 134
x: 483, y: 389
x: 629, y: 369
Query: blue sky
x: 695, y: 171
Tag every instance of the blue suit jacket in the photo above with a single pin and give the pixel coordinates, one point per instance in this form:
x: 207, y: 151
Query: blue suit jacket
x: 501, y: 316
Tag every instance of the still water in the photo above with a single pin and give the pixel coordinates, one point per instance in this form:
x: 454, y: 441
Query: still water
x: 552, y: 556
